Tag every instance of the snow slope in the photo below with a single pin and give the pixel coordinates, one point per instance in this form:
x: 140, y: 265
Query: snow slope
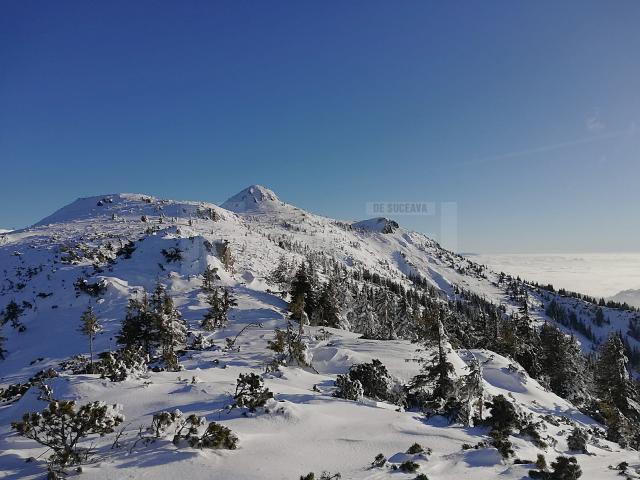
x: 306, y: 429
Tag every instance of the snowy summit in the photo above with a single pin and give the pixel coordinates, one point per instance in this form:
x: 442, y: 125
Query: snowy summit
x: 254, y: 199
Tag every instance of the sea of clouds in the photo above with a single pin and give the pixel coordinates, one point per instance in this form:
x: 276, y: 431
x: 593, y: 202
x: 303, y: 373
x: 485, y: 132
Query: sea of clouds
x: 597, y: 274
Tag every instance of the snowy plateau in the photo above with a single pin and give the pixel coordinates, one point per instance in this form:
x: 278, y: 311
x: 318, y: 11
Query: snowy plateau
x: 102, y: 252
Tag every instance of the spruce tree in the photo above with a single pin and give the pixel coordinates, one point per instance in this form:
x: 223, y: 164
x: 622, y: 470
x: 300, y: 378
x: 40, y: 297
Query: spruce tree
x: 171, y: 328
x: 300, y: 288
x: 613, y: 381
x: 471, y: 393
x: 404, y: 316
x: 363, y: 317
x: 564, y: 365
x: 138, y: 327
x: 90, y: 326
x: 228, y: 300
x: 328, y: 312
x: 437, y: 371
x: 617, y: 393
x: 385, y: 307
x: 215, y: 317
x: 281, y: 275
x: 209, y: 277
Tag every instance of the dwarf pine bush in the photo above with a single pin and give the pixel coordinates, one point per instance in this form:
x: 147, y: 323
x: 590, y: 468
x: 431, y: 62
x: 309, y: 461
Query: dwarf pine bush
x: 61, y: 426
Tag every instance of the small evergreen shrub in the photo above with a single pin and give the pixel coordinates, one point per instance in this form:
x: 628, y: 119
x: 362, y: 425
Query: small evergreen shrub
x: 347, y: 388
x: 126, y: 250
x: 374, y: 378
x: 96, y: 289
x: 173, y: 254
x: 323, y: 476
x: 250, y: 392
x: 123, y: 364
x: 417, y: 449
x: 541, y: 462
x: 503, y: 420
x: 192, y: 430
x: 577, y: 440
x: 217, y: 436
x: 379, y: 462
x: 564, y: 468
x: 61, y: 426
x: 531, y: 430
x: 289, y: 347
x: 17, y: 390
x: 409, y: 467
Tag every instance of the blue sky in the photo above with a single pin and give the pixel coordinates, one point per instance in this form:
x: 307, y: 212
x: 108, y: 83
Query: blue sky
x: 523, y: 113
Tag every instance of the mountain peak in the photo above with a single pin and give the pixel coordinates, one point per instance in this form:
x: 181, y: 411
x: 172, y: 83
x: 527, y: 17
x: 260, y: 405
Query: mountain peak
x: 254, y: 198
x: 378, y: 225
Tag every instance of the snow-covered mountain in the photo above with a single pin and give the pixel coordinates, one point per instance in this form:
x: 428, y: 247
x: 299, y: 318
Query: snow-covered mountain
x: 103, y: 251
x: 630, y: 296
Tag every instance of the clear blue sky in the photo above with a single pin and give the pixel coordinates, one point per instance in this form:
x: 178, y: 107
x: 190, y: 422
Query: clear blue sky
x: 524, y: 113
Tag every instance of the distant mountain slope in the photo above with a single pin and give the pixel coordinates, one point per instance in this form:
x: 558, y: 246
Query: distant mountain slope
x: 631, y: 296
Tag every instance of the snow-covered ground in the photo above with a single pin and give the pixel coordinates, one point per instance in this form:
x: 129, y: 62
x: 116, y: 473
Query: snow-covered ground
x: 306, y: 428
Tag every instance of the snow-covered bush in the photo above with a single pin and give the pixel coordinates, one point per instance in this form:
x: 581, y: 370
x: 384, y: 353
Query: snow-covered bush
x: 200, y: 342
x: 379, y: 462
x: 192, y: 431
x: 123, y: 364
x: 289, y: 347
x: 250, y: 392
x: 408, y: 466
x: 173, y: 254
x: 373, y: 377
x: 17, y: 390
x: 347, y: 388
x: 577, y: 440
x: 564, y: 468
x: 96, y: 289
x: 503, y: 420
x: 417, y: 449
x: 61, y: 426
x: 323, y: 476
x: 218, y: 437
x: 11, y: 314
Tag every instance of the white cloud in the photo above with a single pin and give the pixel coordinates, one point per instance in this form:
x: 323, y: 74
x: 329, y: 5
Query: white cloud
x: 594, y: 124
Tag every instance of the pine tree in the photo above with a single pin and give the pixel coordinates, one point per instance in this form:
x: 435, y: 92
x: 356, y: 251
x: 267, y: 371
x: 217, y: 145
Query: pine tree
x: 437, y: 371
x: 363, y: 316
x: 281, y: 275
x: 613, y: 381
x: 139, y: 327
x: 471, y: 392
x: 301, y: 292
x: 90, y: 326
x: 209, y: 277
x: 385, y: 306
x: 228, y: 300
x: 328, y: 312
x: 617, y: 393
x: 404, y: 316
x: 215, y: 317
x: 171, y: 328
x: 563, y: 365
